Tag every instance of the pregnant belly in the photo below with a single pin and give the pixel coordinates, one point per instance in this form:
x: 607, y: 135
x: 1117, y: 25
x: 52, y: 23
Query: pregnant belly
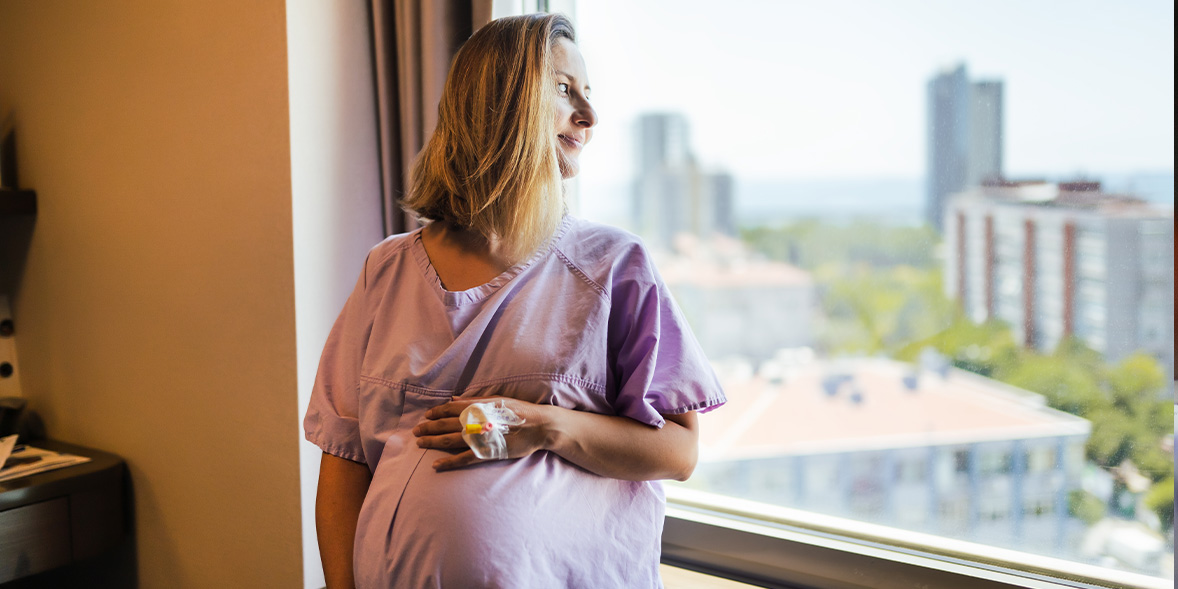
x: 537, y: 521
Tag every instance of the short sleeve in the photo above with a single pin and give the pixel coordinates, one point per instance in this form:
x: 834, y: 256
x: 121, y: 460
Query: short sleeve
x: 659, y: 366
x: 332, y: 420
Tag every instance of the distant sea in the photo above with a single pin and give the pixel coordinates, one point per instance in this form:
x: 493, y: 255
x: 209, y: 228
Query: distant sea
x: 892, y: 200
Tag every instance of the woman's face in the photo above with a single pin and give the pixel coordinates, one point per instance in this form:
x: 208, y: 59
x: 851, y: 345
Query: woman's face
x: 575, y: 118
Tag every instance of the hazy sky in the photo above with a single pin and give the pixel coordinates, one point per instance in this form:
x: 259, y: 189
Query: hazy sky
x: 837, y: 88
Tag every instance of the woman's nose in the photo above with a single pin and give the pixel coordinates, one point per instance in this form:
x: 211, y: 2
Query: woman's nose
x: 585, y: 116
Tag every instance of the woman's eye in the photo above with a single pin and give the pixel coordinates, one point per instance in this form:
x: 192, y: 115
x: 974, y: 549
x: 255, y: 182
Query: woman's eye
x: 564, y: 88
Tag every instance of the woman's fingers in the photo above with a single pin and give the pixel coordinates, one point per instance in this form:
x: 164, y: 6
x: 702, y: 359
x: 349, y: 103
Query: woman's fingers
x: 457, y: 461
x: 433, y: 427
x: 443, y: 442
x: 455, y: 407
x: 451, y: 409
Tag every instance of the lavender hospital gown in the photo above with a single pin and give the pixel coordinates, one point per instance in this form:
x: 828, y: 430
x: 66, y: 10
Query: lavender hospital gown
x: 586, y: 324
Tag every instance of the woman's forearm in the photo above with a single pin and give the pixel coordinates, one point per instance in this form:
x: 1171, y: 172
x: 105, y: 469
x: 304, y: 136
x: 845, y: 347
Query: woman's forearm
x: 622, y: 448
x: 342, y: 487
x: 607, y: 445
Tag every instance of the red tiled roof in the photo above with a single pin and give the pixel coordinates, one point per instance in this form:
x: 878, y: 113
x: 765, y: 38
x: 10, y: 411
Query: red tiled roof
x: 797, y: 416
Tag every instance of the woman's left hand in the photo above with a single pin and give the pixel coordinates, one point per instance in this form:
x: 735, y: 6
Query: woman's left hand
x: 441, y: 430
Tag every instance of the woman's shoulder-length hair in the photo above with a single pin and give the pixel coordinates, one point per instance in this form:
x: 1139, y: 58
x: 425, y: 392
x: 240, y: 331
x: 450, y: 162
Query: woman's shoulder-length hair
x: 491, y: 165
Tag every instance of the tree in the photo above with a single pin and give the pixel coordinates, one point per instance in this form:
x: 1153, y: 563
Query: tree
x: 1160, y: 500
x: 873, y: 311
x: 1085, y: 506
x: 1113, y: 437
x: 811, y: 243
x: 984, y: 348
x: 1136, y: 379
x: 1068, y: 386
x: 1136, y: 385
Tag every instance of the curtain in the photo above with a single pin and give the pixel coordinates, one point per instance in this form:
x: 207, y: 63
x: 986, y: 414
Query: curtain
x: 413, y: 44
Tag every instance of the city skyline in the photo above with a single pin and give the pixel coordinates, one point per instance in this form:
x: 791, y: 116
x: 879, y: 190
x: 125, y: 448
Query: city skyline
x: 838, y: 90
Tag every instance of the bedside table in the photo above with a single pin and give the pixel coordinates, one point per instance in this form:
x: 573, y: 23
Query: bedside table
x: 55, y: 518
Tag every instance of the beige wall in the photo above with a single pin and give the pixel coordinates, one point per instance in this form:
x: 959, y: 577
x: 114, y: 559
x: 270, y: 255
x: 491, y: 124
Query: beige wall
x: 156, y: 313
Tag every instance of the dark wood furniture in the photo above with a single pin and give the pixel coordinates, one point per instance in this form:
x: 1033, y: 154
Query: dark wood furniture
x: 55, y: 518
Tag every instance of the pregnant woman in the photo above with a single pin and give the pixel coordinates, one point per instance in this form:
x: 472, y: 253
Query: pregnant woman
x: 502, y: 297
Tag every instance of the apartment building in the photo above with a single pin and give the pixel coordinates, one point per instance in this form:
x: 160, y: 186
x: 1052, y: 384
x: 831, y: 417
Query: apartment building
x: 1058, y: 259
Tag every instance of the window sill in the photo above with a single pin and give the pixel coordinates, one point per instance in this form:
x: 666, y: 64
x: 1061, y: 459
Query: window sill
x: 773, y: 546
x: 677, y: 578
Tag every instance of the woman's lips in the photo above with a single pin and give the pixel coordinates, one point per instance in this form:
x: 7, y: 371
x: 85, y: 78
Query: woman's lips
x: 571, y: 142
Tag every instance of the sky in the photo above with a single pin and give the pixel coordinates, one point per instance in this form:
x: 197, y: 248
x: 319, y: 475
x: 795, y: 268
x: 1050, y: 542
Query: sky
x: 837, y: 89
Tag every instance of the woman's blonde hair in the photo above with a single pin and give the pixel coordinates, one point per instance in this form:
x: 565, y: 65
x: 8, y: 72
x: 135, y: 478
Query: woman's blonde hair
x: 491, y: 165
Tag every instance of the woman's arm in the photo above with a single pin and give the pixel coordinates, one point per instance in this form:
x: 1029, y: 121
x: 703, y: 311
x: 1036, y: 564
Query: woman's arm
x: 621, y: 448
x: 607, y: 445
x: 342, y: 487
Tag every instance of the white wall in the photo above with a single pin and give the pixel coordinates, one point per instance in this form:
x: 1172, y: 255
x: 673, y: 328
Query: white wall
x: 335, y: 180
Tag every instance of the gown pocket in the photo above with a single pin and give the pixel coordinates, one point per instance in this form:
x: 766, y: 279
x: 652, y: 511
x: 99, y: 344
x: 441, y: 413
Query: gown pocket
x: 399, y: 458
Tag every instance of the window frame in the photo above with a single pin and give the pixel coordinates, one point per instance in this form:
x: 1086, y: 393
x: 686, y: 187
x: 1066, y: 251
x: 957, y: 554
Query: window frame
x: 772, y: 546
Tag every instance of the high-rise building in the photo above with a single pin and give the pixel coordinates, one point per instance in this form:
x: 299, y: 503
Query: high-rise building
x: 721, y: 203
x: 663, y: 141
x: 671, y: 193
x: 985, y: 146
x: 1065, y: 259
x: 964, y: 137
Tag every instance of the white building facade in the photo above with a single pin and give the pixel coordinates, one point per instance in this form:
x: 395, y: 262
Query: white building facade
x: 944, y: 452
x: 1053, y: 260
x: 737, y: 304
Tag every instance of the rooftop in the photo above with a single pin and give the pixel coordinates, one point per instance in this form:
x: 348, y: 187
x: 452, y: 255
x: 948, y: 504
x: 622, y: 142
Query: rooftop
x: 1078, y: 194
x: 828, y: 406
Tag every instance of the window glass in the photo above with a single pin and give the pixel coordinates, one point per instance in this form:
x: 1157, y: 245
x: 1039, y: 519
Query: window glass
x: 927, y: 246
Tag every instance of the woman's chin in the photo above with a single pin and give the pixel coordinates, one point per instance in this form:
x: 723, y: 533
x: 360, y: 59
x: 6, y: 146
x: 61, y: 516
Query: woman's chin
x: 569, y: 167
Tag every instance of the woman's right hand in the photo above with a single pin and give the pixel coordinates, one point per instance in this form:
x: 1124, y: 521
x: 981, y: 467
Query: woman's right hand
x: 441, y: 430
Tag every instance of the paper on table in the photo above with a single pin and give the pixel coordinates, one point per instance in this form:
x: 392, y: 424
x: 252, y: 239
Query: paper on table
x: 30, y: 460
x: 7, y: 443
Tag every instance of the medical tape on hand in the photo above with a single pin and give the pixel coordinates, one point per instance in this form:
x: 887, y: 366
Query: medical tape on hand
x: 484, y: 426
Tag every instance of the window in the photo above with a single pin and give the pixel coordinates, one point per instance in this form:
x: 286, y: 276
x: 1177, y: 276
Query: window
x: 1041, y: 459
x: 907, y: 250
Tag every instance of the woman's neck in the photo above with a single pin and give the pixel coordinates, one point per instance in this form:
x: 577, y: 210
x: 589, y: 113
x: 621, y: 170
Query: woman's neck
x: 463, y: 258
x: 468, y: 243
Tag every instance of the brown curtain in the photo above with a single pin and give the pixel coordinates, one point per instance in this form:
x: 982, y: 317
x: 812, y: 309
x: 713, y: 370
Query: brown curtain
x: 413, y: 44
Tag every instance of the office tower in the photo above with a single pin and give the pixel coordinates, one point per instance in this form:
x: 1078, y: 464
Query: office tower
x: 663, y: 141
x: 722, y: 205
x: 672, y: 195
x: 1065, y: 259
x: 985, y: 146
x: 964, y: 137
